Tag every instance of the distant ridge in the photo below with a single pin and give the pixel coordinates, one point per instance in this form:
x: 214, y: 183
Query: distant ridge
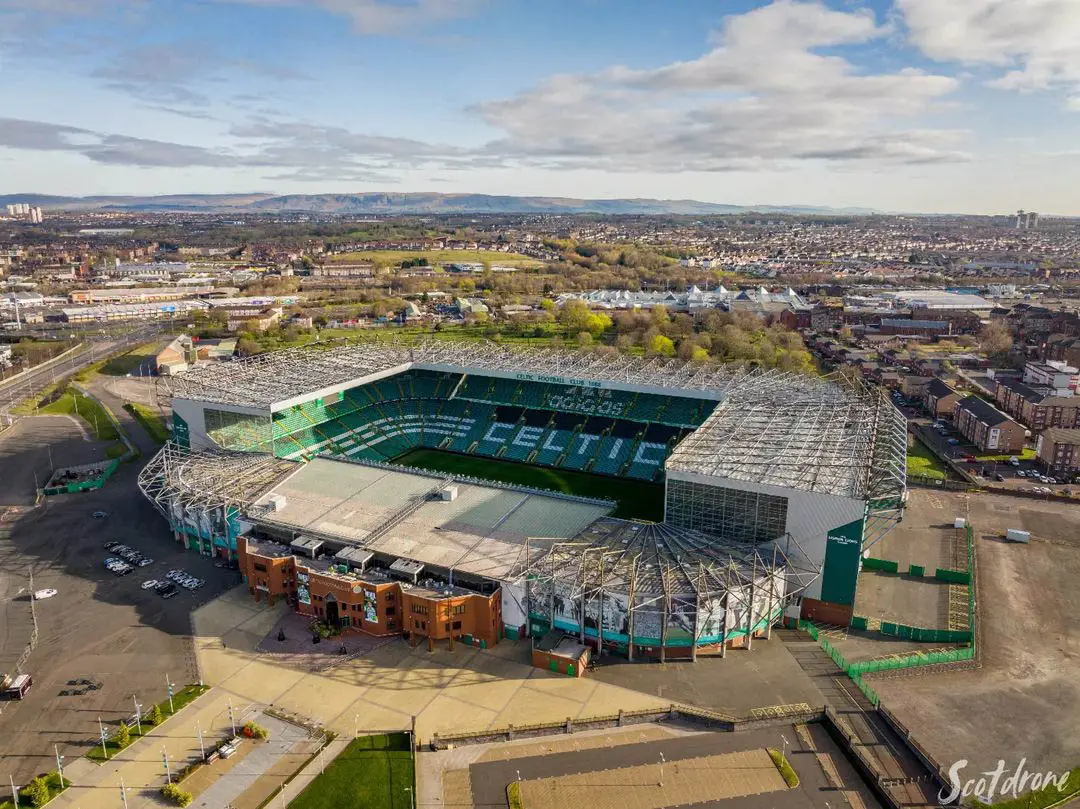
x: 413, y: 203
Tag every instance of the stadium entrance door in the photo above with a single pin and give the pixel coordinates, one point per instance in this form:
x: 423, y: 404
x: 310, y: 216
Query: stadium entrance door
x: 332, y: 617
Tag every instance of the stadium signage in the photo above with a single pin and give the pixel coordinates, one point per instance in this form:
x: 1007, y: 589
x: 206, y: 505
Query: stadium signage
x: 559, y: 380
x: 842, y: 540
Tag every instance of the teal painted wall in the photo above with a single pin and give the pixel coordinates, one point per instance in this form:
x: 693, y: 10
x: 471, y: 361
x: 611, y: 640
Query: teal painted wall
x: 181, y: 432
x: 843, y: 548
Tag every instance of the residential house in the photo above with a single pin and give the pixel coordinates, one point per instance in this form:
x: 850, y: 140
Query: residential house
x: 987, y: 427
x: 1059, y: 450
x: 914, y: 386
x: 940, y: 399
x: 1038, y: 408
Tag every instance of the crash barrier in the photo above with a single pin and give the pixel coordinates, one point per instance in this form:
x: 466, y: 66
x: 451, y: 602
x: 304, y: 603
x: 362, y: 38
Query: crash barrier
x: 759, y: 718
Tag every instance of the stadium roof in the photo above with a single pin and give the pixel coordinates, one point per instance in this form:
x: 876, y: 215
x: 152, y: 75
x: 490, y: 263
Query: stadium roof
x: 837, y: 438
x: 653, y: 559
x: 210, y: 479
x: 790, y: 430
x: 265, y: 380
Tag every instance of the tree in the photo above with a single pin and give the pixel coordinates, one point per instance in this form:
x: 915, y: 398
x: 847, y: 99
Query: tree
x: 661, y: 346
x: 154, y: 717
x: 38, y: 791
x: 699, y: 354
x: 123, y: 735
x: 995, y: 338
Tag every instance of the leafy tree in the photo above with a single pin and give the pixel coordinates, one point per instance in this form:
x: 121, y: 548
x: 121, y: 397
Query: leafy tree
x: 660, y: 345
x: 38, y: 791
x: 154, y: 717
x: 699, y: 354
x: 995, y: 338
x: 123, y: 735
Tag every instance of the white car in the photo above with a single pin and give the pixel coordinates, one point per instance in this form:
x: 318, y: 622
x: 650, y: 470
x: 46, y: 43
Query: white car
x: 41, y: 595
x: 149, y: 584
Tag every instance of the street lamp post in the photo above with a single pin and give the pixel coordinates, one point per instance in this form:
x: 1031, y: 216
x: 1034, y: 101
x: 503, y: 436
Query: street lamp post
x: 412, y: 798
x: 138, y: 714
x: 104, y: 749
x: 232, y: 721
x: 59, y: 764
x: 661, y: 770
x: 202, y: 748
x: 168, y: 769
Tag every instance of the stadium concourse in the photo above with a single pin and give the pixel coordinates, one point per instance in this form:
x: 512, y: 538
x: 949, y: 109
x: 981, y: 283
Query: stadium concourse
x: 775, y: 485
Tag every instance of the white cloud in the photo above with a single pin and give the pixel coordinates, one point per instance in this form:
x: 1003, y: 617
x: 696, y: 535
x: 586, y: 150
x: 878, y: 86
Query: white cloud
x: 1034, y: 44
x: 385, y: 16
x: 762, y: 95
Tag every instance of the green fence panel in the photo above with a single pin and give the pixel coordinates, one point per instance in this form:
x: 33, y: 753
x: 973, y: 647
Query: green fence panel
x: 858, y: 622
x: 903, y: 631
x: 954, y: 576
x: 888, y: 628
x: 917, y: 570
x: 887, y: 565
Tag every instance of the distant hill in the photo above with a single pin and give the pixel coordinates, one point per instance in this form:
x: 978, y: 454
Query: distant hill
x: 419, y: 203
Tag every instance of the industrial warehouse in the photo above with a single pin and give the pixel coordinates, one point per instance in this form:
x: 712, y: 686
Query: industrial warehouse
x: 774, y: 487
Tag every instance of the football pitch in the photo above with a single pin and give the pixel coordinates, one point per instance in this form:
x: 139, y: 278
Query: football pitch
x: 637, y: 499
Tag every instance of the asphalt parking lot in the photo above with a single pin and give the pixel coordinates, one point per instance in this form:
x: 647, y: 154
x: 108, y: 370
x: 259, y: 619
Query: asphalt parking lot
x: 99, y: 626
x: 26, y: 449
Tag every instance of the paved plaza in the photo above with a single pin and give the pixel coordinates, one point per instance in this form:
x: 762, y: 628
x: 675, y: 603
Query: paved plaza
x: 447, y: 691
x: 654, y: 786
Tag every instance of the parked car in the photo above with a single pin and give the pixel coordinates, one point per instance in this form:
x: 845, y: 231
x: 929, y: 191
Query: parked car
x: 1014, y: 461
x: 150, y: 584
x: 166, y: 590
x: 1021, y: 474
x: 1000, y: 478
x: 100, y: 515
x: 952, y: 442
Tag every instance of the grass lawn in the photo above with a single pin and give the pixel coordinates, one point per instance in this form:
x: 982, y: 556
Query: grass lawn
x: 151, y: 421
x: 393, y: 258
x: 180, y: 698
x: 921, y: 461
x: 120, y: 365
x: 637, y: 499
x: 375, y: 772
x: 71, y: 403
x: 1027, y: 454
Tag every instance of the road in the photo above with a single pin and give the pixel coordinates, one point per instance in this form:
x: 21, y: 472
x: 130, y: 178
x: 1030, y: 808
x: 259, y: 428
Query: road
x: 19, y: 389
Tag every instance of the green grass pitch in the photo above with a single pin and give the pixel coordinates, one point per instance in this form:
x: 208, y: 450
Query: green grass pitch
x: 637, y: 499
x: 375, y: 772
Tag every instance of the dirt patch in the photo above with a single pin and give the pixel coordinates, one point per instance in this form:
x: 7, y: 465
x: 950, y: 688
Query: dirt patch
x: 1025, y: 700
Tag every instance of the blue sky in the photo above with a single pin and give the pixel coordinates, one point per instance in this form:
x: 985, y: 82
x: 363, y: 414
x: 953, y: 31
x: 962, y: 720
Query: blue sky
x: 908, y: 105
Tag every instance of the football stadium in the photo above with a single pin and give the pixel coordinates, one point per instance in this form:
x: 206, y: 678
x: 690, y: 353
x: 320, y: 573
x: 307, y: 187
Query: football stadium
x: 470, y: 491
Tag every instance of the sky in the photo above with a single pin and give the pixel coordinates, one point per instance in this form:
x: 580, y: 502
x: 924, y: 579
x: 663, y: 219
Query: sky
x: 965, y: 106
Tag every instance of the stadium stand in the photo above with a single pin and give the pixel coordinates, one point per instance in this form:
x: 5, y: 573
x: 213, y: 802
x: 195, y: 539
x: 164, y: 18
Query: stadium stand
x: 589, y: 429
